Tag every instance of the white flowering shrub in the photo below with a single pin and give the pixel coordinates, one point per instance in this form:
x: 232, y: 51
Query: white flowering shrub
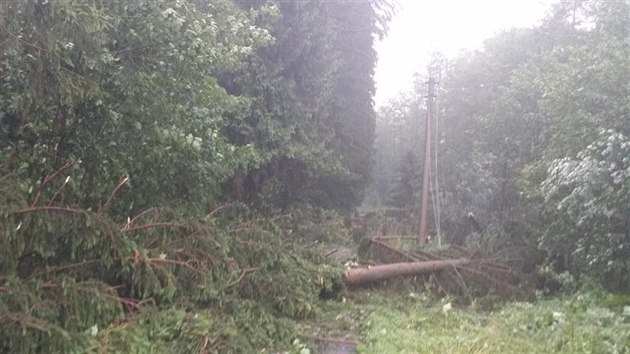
x: 589, y: 200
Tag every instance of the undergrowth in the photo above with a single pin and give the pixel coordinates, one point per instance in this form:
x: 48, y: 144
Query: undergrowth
x: 585, y: 322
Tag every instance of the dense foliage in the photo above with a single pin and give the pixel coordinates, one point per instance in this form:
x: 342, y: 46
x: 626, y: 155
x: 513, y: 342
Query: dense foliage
x: 123, y: 90
x: 192, y: 100
x: 167, y: 166
x: 311, y: 117
x: 140, y: 143
x: 532, y: 138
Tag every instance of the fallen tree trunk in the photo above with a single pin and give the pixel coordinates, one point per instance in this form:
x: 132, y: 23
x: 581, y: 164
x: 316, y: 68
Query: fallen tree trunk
x: 358, y: 276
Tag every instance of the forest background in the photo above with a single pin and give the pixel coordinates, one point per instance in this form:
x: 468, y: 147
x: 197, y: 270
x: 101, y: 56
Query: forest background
x: 166, y: 165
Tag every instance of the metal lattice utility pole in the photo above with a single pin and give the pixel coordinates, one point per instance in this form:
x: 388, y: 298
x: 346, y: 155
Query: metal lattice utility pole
x: 426, y: 164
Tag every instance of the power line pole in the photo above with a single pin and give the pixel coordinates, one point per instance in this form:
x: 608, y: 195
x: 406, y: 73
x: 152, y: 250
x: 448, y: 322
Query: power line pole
x: 426, y: 165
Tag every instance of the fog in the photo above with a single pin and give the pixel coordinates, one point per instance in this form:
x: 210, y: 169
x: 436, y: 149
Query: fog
x: 420, y: 28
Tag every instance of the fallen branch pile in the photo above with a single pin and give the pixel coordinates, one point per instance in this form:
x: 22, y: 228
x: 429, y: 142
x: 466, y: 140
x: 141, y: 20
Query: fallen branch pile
x: 79, y: 279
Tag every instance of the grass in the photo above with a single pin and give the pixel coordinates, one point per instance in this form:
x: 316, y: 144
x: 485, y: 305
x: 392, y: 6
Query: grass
x: 386, y: 323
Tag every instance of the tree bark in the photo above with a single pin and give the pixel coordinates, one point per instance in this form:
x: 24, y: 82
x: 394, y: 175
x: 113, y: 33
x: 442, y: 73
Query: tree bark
x: 358, y: 276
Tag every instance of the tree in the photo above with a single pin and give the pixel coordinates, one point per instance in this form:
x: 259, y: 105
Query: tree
x: 550, y: 92
x: 311, y: 116
x: 113, y: 141
x: 86, y: 83
x: 406, y: 190
x: 399, y: 130
x: 588, y: 199
x: 533, y: 101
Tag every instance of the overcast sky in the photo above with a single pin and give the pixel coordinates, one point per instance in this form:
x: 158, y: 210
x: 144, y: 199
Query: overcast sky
x: 422, y: 27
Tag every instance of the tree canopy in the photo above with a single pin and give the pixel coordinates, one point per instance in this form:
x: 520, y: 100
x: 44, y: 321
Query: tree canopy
x: 532, y: 137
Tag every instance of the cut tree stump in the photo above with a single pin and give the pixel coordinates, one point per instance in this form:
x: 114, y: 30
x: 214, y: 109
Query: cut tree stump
x: 358, y: 276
